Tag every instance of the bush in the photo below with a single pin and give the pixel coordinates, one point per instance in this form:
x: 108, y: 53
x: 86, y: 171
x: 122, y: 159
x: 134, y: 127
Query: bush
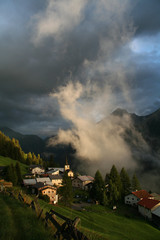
x: 44, y: 197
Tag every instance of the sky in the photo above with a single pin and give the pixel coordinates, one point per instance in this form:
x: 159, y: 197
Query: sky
x: 77, y: 59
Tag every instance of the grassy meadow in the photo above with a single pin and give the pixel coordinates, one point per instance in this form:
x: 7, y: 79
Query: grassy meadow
x: 4, y: 161
x: 100, y: 223
x: 18, y: 222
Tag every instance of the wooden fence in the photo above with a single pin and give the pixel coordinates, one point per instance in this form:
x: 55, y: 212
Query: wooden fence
x: 68, y: 230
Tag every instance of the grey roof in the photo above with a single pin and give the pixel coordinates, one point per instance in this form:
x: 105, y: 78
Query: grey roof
x: 156, y: 211
x: 43, y: 179
x: 60, y: 169
x: 85, y: 178
x: 52, y: 171
x: 56, y: 177
x: 29, y: 181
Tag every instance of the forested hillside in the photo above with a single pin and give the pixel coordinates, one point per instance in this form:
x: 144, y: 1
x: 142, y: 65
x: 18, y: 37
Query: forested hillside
x: 11, y: 148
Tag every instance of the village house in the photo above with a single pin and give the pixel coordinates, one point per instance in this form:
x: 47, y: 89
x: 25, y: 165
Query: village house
x: 45, y: 189
x: 146, y: 206
x: 81, y: 181
x: 155, y: 196
x: 56, y: 180
x: 28, y: 175
x: 4, y: 184
x: 70, y: 173
x: 45, y: 180
x: 36, y: 169
x: 60, y: 171
x: 88, y: 186
x: 29, y: 182
x: 53, y: 172
x: 156, y: 216
x: 133, y: 198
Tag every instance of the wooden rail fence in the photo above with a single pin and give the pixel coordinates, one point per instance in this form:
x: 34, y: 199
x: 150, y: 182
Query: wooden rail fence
x: 68, y: 230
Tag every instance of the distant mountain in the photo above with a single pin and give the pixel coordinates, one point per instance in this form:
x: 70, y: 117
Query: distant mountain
x: 29, y: 143
x: 33, y: 143
x: 148, y: 126
x: 143, y: 138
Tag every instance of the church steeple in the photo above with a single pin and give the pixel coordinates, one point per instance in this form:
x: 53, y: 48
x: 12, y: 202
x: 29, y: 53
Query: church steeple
x: 66, y: 166
x: 66, y: 161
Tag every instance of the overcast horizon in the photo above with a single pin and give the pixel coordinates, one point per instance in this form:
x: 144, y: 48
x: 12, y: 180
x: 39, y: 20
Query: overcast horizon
x: 100, y: 54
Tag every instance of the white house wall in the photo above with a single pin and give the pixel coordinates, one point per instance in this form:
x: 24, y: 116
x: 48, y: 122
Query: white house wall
x: 145, y: 212
x: 131, y: 199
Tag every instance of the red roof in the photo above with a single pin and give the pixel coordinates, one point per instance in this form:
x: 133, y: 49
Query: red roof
x: 141, y: 194
x: 148, y: 203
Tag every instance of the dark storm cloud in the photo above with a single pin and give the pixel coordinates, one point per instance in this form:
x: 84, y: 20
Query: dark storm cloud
x: 29, y: 70
x: 146, y: 16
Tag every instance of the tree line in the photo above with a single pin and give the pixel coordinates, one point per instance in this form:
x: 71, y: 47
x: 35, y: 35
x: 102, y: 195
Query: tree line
x: 114, y: 187
x: 13, y: 174
x: 11, y: 148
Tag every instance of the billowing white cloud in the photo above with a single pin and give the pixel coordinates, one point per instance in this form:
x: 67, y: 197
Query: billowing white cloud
x: 58, y: 18
x: 100, y: 143
x: 105, y: 86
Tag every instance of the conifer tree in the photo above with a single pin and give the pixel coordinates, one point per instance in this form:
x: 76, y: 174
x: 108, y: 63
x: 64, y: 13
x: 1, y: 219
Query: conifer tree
x: 18, y: 172
x: 125, y: 180
x: 66, y: 190
x: 135, y: 183
x: 115, y: 185
x: 98, y: 188
x: 114, y: 194
x: 14, y: 175
x: 11, y: 174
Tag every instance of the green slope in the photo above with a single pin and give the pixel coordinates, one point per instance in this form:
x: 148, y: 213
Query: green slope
x: 18, y: 222
x: 4, y: 161
x: 101, y: 223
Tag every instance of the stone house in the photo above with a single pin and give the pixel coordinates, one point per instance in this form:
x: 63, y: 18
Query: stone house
x: 146, y: 206
x: 56, y: 180
x: 36, y: 169
x: 133, y: 198
x: 45, y: 189
x: 81, y: 181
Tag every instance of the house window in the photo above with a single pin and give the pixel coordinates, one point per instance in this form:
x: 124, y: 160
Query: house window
x: 44, y: 192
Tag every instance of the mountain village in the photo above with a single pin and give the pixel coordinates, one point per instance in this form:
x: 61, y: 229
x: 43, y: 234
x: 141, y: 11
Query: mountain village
x: 47, y: 182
